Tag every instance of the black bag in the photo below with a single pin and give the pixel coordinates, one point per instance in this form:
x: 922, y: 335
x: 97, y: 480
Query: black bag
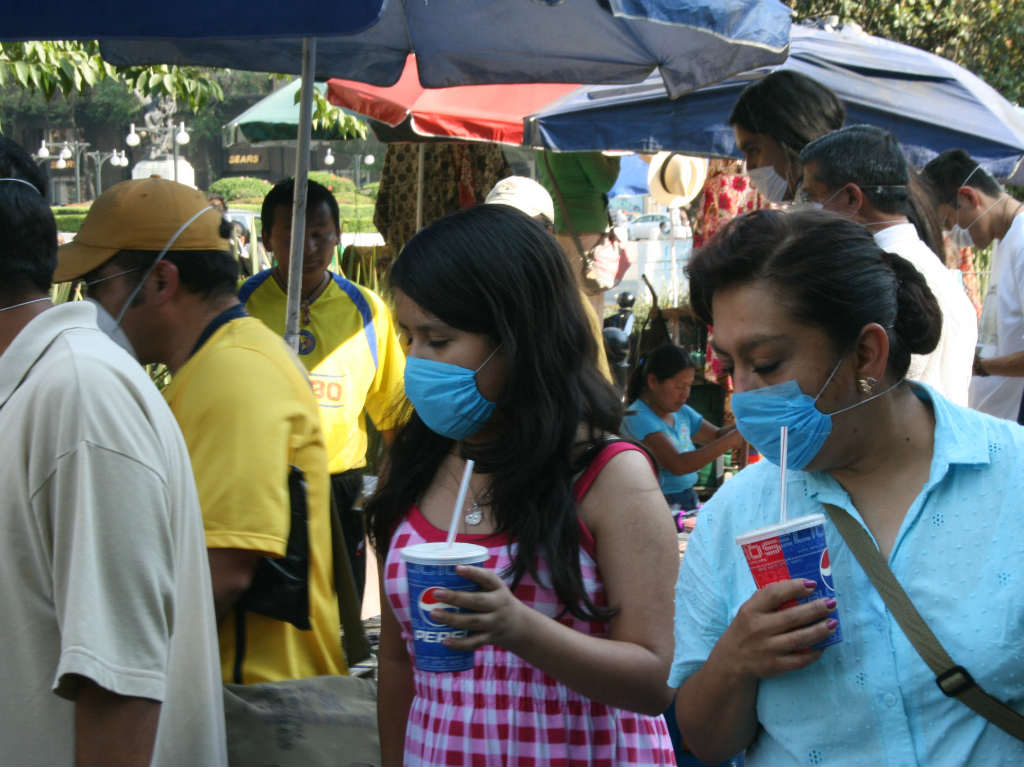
x: 280, y: 587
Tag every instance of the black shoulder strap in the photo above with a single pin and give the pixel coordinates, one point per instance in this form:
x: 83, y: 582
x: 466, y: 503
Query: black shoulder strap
x: 354, y: 643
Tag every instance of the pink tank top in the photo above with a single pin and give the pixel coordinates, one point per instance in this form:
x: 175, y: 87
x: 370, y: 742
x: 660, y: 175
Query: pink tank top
x: 504, y: 711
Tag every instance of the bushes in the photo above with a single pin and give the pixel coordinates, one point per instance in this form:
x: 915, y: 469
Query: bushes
x: 338, y: 185
x: 240, y: 188
x: 69, y: 219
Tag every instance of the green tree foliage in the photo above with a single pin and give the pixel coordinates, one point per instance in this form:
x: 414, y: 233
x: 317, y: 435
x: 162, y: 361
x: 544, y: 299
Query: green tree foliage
x: 984, y: 36
x: 70, y: 66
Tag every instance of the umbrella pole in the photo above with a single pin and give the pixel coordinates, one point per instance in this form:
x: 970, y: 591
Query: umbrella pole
x: 298, y: 234
x: 420, y: 152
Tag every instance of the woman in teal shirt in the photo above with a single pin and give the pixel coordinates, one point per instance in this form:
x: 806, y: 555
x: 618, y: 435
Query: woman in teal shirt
x: 659, y: 417
x: 816, y: 325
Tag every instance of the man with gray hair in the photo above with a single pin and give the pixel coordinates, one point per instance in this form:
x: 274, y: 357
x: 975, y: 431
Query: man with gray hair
x: 109, y: 637
x: 861, y: 173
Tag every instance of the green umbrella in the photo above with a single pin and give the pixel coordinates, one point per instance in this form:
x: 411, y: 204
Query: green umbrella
x: 276, y: 118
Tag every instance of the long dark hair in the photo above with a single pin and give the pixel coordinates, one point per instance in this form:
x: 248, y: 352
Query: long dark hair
x: 792, y: 108
x: 493, y: 270
x: 664, y: 362
x: 829, y: 272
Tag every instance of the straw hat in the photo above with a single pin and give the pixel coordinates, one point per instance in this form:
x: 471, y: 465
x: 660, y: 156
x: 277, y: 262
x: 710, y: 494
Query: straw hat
x: 675, y: 179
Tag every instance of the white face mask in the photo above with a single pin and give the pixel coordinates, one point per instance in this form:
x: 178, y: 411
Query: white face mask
x: 770, y: 184
x: 961, y: 236
x: 111, y: 327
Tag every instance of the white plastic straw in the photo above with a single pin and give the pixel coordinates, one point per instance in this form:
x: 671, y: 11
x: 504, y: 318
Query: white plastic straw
x: 783, y: 460
x: 460, y: 500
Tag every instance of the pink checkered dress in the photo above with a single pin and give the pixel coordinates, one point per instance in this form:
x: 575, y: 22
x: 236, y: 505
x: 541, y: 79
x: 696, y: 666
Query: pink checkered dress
x: 504, y: 711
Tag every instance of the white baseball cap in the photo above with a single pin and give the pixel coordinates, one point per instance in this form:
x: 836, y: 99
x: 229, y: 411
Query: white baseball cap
x: 525, y: 194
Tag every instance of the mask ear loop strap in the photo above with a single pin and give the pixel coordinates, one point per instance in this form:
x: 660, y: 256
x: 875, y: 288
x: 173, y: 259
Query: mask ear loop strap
x: 29, y: 184
x: 159, y: 258
x: 488, y: 359
x: 978, y: 217
x: 828, y: 380
x: 863, y: 401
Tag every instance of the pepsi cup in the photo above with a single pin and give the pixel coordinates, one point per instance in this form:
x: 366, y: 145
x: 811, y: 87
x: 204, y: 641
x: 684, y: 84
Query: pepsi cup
x: 792, y: 549
x: 430, y: 567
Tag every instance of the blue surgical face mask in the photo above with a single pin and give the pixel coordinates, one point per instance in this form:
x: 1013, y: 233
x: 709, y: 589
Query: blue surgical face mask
x: 446, y: 396
x: 760, y: 413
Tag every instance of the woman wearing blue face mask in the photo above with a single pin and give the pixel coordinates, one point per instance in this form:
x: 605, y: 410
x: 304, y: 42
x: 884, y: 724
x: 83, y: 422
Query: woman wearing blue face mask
x: 573, y: 640
x: 817, y: 325
x: 659, y: 417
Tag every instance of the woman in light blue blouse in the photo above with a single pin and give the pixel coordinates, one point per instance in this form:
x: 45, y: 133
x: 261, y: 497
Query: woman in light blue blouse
x: 659, y: 417
x: 817, y: 325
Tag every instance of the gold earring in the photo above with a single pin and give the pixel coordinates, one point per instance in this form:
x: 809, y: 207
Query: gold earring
x: 867, y: 385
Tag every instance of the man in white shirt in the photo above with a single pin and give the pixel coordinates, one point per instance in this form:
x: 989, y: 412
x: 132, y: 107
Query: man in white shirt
x: 861, y: 173
x: 110, y: 644
x: 979, y: 212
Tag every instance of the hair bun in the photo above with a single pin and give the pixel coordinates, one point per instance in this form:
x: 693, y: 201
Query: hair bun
x: 918, y: 317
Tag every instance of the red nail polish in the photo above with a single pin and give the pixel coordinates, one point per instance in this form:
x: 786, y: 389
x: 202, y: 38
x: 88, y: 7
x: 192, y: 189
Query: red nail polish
x: 810, y: 584
x: 830, y: 603
x: 831, y: 623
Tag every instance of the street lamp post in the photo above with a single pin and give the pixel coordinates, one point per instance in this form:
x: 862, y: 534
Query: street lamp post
x: 367, y: 160
x: 360, y: 159
x: 180, y: 139
x: 161, y: 132
x: 74, y: 149
x: 117, y: 158
x: 71, y: 150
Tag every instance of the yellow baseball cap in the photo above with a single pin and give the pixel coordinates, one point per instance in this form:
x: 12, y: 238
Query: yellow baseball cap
x: 142, y: 214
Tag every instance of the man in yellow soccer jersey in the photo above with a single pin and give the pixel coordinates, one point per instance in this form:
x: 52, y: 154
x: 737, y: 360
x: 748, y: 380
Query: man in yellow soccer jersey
x: 154, y: 256
x: 347, y: 342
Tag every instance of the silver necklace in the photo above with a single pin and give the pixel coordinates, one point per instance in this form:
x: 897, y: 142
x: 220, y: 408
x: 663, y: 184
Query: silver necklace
x: 473, y: 516
x: 472, y: 512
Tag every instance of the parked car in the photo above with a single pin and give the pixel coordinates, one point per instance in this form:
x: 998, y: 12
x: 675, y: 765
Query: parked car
x: 650, y: 226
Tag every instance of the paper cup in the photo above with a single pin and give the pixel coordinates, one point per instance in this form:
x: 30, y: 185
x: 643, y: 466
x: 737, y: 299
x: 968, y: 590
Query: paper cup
x: 792, y: 549
x: 429, y: 567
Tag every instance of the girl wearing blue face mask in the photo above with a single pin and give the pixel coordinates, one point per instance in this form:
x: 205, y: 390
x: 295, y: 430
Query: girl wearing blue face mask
x: 659, y: 417
x: 573, y: 641
x: 817, y: 326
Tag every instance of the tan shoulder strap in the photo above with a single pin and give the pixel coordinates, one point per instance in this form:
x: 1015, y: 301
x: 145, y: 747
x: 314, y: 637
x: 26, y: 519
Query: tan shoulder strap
x: 952, y: 679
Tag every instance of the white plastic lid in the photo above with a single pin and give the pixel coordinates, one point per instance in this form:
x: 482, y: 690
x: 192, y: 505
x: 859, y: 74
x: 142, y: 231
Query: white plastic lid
x: 440, y: 553
x: 780, y: 528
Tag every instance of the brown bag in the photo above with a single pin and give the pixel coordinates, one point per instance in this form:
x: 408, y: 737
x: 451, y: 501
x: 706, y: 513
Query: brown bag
x: 316, y: 721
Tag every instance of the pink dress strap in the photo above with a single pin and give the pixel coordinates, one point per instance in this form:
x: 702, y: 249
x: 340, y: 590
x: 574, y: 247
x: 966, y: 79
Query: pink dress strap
x: 609, y: 451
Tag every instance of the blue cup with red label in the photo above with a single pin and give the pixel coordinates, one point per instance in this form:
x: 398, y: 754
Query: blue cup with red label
x: 430, y: 567
x: 793, y: 549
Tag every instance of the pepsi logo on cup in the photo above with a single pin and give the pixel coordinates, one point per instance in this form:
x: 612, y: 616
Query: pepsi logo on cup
x: 825, y: 568
x: 429, y: 601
